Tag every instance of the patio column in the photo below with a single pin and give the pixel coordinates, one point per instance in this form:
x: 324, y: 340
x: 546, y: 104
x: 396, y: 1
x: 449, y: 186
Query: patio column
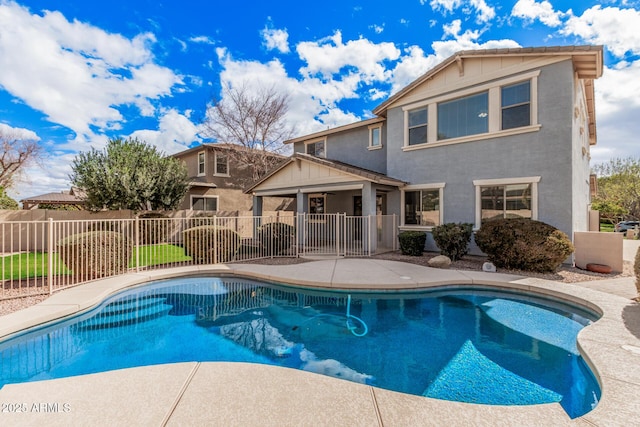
x: 369, y: 213
x: 302, y: 205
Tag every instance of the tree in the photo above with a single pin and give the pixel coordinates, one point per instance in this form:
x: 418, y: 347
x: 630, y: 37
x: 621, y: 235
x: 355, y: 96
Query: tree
x: 252, y: 119
x: 7, y: 202
x: 129, y: 174
x: 16, y: 152
x: 618, y: 188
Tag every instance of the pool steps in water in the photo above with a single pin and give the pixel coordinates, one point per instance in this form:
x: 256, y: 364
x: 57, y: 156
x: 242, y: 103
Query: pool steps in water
x: 127, y: 312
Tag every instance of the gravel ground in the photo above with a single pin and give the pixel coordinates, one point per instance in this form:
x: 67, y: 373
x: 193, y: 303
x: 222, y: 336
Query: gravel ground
x: 564, y: 274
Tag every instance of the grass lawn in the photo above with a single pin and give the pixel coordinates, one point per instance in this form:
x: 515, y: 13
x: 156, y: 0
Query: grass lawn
x: 35, y: 264
x: 606, y: 226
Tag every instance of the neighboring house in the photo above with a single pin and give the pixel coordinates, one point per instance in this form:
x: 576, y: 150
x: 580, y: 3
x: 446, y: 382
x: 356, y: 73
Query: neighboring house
x: 217, y: 180
x: 62, y: 199
x: 485, y: 134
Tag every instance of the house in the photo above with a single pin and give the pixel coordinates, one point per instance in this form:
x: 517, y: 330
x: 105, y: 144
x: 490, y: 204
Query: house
x: 217, y: 177
x: 68, y: 199
x: 485, y: 134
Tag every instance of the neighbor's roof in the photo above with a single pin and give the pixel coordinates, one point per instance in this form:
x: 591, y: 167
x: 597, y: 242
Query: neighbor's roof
x: 334, y: 164
x: 60, y: 197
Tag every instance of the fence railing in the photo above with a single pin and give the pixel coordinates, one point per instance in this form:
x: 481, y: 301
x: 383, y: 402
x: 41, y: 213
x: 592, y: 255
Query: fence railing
x: 41, y: 257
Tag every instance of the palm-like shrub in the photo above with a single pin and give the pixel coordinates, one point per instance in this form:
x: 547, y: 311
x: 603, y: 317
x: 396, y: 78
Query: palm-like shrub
x: 523, y: 244
x: 95, y: 254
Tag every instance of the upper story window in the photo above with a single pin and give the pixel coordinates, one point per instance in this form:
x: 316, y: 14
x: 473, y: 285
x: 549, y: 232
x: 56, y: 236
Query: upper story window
x: 418, y: 120
x: 516, y: 105
x: 222, y: 164
x: 201, y: 163
x: 316, y: 148
x: 463, y: 116
x: 375, y: 137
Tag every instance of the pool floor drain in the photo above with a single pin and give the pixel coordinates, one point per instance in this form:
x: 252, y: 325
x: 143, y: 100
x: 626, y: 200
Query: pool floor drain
x: 632, y: 349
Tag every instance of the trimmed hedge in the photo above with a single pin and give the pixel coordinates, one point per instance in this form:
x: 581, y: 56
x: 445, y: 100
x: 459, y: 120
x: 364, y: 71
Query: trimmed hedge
x: 523, y: 244
x: 453, y: 239
x: 276, y: 237
x: 199, y: 244
x: 95, y: 254
x: 412, y: 242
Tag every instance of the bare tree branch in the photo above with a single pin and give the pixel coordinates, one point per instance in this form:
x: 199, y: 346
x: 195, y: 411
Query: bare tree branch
x: 252, y: 119
x: 16, y: 152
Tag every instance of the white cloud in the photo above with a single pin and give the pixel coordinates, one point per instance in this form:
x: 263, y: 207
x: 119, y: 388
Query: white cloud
x: 77, y: 74
x: 21, y: 133
x: 615, y: 28
x: 202, y: 40
x: 275, y: 39
x: 378, y: 29
x: 530, y: 10
x: 175, y: 132
x: 483, y: 12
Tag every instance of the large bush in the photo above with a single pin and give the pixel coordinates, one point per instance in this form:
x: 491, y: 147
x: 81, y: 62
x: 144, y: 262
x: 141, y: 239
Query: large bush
x: 204, y: 242
x: 276, y: 237
x: 95, y: 254
x: 412, y: 242
x: 154, y: 228
x: 453, y: 239
x: 636, y: 270
x: 523, y: 244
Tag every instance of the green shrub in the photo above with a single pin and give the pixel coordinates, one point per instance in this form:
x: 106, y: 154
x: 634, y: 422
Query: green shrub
x: 412, y: 242
x: 453, y: 239
x: 154, y: 228
x: 636, y: 270
x: 199, y: 244
x: 95, y: 254
x: 276, y: 237
x: 523, y: 244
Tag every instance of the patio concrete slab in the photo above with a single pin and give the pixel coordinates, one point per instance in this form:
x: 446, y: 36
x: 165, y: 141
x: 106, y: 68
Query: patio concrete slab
x: 245, y: 394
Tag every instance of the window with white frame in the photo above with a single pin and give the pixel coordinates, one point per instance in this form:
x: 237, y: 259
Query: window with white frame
x: 516, y: 105
x: 201, y: 163
x: 317, y: 203
x: 316, y: 148
x: 423, y: 205
x: 375, y: 137
x: 506, y: 198
x: 417, y: 126
x: 222, y: 164
x: 463, y: 116
x: 204, y: 203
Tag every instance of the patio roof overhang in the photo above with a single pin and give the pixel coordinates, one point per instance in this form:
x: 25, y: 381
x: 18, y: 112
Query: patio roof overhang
x: 304, y: 173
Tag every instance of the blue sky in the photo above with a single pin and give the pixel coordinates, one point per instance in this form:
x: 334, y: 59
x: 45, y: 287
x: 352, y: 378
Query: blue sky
x: 75, y: 73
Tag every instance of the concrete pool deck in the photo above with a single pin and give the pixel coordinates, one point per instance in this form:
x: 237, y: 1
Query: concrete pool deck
x: 239, y: 394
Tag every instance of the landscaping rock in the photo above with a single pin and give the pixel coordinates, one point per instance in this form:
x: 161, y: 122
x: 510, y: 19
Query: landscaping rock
x: 489, y: 267
x: 439, y: 261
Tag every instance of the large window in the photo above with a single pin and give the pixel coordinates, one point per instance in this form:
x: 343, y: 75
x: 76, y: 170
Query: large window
x: 222, y: 164
x: 422, y: 207
x: 201, y: 163
x: 204, y: 203
x: 506, y: 198
x: 463, y: 116
x: 516, y: 105
x: 418, y: 126
x: 316, y: 148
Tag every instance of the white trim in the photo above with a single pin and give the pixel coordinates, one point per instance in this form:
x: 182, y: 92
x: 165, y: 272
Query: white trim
x: 478, y: 183
x: 494, y: 106
x: 418, y: 187
x: 371, y: 129
x: 313, y: 141
x: 324, y: 188
x: 201, y: 196
x: 204, y: 163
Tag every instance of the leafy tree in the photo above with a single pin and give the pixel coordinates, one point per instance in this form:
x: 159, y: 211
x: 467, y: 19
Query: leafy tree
x: 7, y: 202
x: 254, y: 119
x: 16, y: 151
x: 129, y: 174
x: 618, y: 188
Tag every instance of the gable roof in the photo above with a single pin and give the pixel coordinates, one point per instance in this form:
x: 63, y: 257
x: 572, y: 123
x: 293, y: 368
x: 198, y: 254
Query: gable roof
x: 587, y: 61
x: 363, y: 174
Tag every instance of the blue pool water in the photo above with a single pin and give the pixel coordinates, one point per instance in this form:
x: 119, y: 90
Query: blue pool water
x: 466, y: 345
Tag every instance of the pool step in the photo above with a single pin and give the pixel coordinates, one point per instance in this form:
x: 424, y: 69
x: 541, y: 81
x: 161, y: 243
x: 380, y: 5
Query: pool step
x: 129, y: 312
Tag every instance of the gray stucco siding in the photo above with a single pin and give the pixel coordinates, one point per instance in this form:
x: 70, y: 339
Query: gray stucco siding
x: 546, y: 153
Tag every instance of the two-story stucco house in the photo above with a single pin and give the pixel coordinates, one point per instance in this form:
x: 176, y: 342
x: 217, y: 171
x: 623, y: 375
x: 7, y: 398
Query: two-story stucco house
x: 485, y: 134
x: 217, y: 179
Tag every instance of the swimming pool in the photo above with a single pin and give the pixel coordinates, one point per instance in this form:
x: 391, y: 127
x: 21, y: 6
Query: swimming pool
x: 464, y: 344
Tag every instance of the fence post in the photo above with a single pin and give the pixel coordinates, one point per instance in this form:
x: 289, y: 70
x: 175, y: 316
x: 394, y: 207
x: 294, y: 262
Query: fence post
x: 215, y: 239
x: 394, y: 233
x: 50, y: 250
x: 137, y: 243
